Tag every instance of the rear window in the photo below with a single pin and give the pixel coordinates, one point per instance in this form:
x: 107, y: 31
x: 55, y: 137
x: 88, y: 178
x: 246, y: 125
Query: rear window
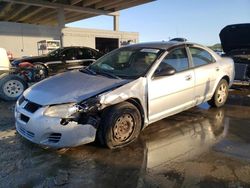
x: 200, y: 56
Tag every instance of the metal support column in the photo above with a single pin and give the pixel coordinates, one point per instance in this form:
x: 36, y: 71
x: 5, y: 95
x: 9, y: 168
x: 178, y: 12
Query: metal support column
x: 116, y: 22
x: 61, y: 23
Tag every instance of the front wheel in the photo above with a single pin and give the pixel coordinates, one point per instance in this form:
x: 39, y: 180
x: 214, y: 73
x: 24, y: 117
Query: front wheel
x: 11, y: 87
x: 220, y: 95
x: 120, y: 125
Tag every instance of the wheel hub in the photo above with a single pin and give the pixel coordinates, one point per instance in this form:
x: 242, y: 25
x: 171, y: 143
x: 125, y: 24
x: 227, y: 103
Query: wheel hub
x: 13, y: 88
x: 123, y: 128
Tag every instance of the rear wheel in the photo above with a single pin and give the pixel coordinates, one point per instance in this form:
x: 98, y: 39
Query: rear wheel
x: 11, y: 87
x: 120, y: 125
x: 220, y: 95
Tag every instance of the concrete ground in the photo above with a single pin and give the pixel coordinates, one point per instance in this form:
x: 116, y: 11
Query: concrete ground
x: 201, y: 147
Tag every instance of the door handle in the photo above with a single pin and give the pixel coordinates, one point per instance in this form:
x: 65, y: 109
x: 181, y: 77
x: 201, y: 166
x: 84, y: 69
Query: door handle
x: 188, y: 77
x: 217, y: 68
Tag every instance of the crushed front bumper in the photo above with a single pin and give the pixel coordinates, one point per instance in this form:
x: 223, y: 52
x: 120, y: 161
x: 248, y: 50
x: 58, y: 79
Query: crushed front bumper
x: 32, y: 124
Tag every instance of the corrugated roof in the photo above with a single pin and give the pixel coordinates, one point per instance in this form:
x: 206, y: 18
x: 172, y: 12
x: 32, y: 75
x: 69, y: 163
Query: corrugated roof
x: 45, y: 12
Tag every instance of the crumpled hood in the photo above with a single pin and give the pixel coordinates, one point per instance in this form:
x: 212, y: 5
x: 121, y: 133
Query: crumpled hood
x: 235, y: 37
x: 73, y: 86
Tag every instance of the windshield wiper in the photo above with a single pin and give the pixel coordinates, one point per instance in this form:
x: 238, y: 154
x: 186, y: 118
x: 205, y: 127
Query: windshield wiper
x: 88, y: 71
x: 108, y: 74
x: 104, y: 73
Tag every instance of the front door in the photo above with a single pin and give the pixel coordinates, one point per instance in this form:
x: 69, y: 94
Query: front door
x: 168, y: 95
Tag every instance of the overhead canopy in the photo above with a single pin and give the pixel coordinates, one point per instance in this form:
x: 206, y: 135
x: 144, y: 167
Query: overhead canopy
x: 45, y: 12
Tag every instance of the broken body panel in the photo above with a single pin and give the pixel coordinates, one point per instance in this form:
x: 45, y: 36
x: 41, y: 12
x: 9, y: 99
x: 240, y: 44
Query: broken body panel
x: 77, y: 132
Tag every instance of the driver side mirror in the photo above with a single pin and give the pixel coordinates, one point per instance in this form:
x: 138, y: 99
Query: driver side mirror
x: 164, y: 71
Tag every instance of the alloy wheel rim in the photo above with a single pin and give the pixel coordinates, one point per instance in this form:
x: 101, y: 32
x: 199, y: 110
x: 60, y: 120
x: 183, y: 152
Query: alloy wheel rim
x: 123, y: 128
x: 222, y: 93
x: 13, y: 88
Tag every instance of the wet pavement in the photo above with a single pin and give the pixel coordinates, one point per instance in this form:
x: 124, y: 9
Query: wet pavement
x: 201, y: 147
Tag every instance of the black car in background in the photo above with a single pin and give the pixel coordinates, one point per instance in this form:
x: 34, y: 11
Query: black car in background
x: 57, y: 61
x: 235, y: 41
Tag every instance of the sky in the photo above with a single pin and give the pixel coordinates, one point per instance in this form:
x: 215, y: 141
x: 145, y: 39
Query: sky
x: 197, y: 20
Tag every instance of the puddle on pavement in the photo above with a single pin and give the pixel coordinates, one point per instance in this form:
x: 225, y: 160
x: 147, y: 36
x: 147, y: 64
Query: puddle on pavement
x: 204, y: 106
x: 184, y: 136
x: 215, y: 183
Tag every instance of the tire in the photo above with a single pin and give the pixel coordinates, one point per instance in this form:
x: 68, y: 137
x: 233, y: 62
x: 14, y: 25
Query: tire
x: 11, y: 87
x: 40, y: 72
x: 120, y: 125
x: 220, y: 95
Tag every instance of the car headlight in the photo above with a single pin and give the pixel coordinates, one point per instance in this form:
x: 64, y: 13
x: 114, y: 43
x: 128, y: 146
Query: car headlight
x: 62, y: 110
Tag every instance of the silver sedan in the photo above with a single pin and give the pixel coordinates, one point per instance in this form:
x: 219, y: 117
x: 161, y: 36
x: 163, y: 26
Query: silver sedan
x: 121, y: 93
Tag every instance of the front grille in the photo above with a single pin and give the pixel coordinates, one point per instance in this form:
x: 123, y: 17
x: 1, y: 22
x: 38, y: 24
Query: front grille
x: 241, y: 71
x: 29, y: 106
x: 26, y: 133
x: 32, y: 107
x: 24, y: 118
x: 54, y: 137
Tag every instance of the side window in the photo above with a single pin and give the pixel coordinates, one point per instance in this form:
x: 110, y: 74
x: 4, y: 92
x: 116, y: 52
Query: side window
x: 85, y: 53
x: 200, y: 56
x: 98, y: 54
x: 177, y: 58
x: 95, y: 54
x: 79, y: 53
x: 68, y: 54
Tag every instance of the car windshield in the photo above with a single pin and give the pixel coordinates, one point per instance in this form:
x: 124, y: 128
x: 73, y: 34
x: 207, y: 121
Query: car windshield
x: 55, y: 52
x: 127, y: 63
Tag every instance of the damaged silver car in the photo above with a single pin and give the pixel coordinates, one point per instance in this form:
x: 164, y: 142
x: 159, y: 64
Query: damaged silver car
x: 121, y: 93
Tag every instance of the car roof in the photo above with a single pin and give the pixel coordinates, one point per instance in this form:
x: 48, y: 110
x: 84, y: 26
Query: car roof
x: 164, y: 45
x: 85, y: 47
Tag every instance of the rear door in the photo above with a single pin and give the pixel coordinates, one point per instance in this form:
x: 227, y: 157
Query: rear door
x: 206, y: 70
x: 70, y: 58
x: 168, y: 95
